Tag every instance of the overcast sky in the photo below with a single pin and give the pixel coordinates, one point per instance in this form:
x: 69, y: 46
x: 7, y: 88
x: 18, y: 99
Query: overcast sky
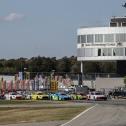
x: 30, y: 28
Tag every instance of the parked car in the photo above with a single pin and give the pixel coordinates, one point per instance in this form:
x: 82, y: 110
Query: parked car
x: 78, y: 96
x: 28, y: 96
x: 39, y: 96
x: 75, y: 97
x: 118, y: 94
x: 13, y: 96
x: 2, y: 96
x: 60, y: 96
x: 96, y: 95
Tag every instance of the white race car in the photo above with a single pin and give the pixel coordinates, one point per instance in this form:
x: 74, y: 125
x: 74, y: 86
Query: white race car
x: 96, y: 95
x: 13, y: 96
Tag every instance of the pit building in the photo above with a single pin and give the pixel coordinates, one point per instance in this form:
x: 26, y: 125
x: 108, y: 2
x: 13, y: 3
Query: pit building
x: 103, y: 43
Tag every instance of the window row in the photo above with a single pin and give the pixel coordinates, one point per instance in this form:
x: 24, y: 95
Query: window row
x: 101, y: 38
x: 93, y: 52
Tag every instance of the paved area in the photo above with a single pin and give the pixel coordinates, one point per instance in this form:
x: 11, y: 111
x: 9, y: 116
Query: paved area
x: 101, y: 115
x: 106, y: 113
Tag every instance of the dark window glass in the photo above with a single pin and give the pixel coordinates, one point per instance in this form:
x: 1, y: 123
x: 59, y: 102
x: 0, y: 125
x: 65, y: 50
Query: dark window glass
x: 109, y: 38
x: 90, y: 39
x: 83, y: 38
x: 99, y: 52
x: 98, y: 38
x: 78, y: 39
x: 118, y: 52
x: 120, y: 37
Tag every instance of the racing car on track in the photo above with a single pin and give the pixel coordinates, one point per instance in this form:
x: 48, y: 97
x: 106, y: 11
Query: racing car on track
x: 59, y: 96
x: 96, y: 95
x: 13, y: 96
x: 39, y: 96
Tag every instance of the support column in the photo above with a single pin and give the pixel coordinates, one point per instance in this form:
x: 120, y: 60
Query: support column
x: 82, y: 67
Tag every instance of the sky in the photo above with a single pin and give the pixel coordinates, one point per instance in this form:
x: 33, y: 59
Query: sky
x: 31, y: 28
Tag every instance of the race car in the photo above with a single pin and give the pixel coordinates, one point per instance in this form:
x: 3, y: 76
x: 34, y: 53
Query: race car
x: 59, y: 96
x: 96, y: 95
x: 13, y: 96
x: 39, y: 96
x: 78, y: 96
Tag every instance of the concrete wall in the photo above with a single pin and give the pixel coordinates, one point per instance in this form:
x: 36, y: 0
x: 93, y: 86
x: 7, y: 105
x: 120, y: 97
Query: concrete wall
x: 108, y: 83
x: 89, y: 83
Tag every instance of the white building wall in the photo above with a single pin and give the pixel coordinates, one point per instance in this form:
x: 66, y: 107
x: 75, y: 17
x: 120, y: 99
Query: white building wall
x: 102, y: 45
x: 108, y: 83
x: 101, y: 30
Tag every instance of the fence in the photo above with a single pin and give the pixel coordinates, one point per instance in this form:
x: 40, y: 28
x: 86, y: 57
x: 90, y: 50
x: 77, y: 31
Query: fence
x: 42, y: 80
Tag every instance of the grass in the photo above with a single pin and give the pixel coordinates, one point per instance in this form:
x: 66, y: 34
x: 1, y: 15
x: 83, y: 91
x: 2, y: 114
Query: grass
x: 6, y: 102
x: 41, y: 114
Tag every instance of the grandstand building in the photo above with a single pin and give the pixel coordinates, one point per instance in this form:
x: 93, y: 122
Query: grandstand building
x: 103, y: 43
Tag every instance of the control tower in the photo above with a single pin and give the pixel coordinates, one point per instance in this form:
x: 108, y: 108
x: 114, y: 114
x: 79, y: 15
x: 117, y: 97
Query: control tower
x: 103, y: 43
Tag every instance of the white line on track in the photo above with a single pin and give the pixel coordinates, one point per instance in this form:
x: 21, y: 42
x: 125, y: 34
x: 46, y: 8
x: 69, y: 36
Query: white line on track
x: 79, y: 115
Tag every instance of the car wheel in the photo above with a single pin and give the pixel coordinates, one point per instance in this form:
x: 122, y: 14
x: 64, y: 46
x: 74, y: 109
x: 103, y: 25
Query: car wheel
x: 37, y: 98
x: 58, y: 98
x: 87, y: 98
x: 72, y: 98
x: 76, y: 97
x: 51, y: 98
x: 30, y: 97
x: 94, y: 98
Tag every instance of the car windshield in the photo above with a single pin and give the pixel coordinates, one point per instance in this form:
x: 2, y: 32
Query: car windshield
x: 98, y: 93
x: 63, y: 94
x: 39, y: 93
x: 13, y: 93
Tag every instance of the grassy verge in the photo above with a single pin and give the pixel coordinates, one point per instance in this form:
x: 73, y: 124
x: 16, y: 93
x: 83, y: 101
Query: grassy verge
x: 18, y: 115
x: 6, y: 102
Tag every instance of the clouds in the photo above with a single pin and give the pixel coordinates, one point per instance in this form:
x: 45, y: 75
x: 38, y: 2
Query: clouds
x: 12, y: 17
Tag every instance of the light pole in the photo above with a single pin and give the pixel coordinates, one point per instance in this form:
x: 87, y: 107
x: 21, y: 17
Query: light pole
x: 52, y: 74
x: 51, y: 79
x: 25, y: 69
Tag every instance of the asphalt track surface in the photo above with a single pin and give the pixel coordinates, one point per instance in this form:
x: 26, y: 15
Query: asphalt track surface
x: 101, y: 115
x: 104, y: 113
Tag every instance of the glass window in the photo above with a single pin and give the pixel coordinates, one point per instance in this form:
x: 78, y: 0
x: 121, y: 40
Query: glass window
x: 98, y: 93
x: 120, y: 37
x: 104, y: 52
x: 118, y: 52
x: 109, y: 38
x: 98, y: 38
x: 123, y: 24
x: 88, y: 52
x: 99, y: 52
x: 83, y: 38
x: 90, y: 39
x: 113, y: 24
x: 80, y: 52
x: 114, y: 53
x: 109, y: 52
x: 78, y: 39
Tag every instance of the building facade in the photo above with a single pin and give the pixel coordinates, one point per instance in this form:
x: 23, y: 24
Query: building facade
x: 102, y: 43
